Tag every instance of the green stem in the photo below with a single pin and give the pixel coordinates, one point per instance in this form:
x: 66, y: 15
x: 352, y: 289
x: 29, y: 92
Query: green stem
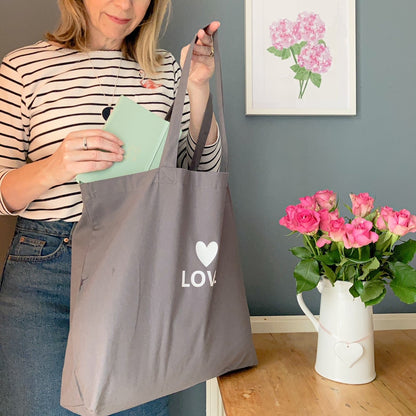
x: 306, y: 84
x: 294, y: 55
x: 308, y: 242
x: 317, y: 248
x: 296, y: 62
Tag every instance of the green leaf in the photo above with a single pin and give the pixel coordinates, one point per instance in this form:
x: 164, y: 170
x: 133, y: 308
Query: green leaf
x: 372, y: 290
x: 274, y: 51
x: 403, y: 283
x: 303, y: 43
x: 330, y: 258
x: 354, y: 292
x: 383, y: 243
x: 329, y: 273
x: 302, y: 74
x: 306, y: 274
x: 321, y: 41
x: 316, y: 79
x: 348, y: 208
x: 371, y: 216
x: 358, y: 256
x: 374, y: 264
x: 358, y: 286
x: 295, y: 68
x: 376, y: 300
x: 351, y: 273
x: 296, y: 48
x: 286, y: 53
x: 301, y: 252
x: 404, y: 252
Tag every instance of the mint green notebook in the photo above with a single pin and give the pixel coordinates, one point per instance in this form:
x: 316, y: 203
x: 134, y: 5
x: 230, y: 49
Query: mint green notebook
x: 143, y: 134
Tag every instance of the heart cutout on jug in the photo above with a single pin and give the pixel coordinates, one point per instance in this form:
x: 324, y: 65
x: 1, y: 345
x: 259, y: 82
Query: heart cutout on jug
x: 349, y: 353
x: 206, y: 253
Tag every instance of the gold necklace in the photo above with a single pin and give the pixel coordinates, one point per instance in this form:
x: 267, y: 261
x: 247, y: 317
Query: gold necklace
x: 108, y: 108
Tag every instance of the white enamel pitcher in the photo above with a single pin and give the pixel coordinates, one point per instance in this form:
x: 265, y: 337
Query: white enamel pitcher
x: 345, y: 350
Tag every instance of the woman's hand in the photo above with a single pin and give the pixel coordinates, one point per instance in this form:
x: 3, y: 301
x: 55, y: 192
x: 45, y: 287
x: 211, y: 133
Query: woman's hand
x: 202, y: 64
x: 83, y: 151
x: 202, y: 69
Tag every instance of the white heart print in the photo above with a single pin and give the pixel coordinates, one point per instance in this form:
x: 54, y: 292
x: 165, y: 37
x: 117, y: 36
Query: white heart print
x: 349, y: 353
x: 206, y: 253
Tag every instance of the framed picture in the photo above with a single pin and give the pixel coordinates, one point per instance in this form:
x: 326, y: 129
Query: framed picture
x: 300, y: 57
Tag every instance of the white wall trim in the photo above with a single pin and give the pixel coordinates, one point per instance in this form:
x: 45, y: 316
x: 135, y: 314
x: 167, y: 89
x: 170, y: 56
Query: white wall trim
x: 214, y: 406
x: 299, y: 323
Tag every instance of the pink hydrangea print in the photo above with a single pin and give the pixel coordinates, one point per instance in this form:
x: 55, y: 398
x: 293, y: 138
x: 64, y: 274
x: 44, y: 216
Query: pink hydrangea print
x: 315, y: 57
x: 309, y: 26
x: 303, y: 41
x: 283, y: 34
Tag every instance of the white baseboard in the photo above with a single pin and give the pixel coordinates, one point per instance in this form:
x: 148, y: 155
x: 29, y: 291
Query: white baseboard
x: 299, y: 323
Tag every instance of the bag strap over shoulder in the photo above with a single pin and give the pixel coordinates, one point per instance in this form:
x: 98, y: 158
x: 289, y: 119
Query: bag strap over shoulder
x: 170, y: 150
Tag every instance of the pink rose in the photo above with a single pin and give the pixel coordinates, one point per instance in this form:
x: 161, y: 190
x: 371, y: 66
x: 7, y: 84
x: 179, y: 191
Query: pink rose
x: 308, y: 202
x: 326, y: 199
x: 382, y: 219
x: 334, y: 227
x: 359, y: 234
x: 397, y: 222
x: 326, y: 218
x: 288, y: 220
x: 303, y: 220
x: 362, y: 204
x: 337, y: 229
x: 282, y: 34
x: 402, y: 222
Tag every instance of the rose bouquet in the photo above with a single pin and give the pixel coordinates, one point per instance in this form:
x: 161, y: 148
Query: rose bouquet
x: 303, y: 41
x: 365, y: 250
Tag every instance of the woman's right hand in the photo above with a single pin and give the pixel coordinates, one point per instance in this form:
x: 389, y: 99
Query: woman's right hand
x: 23, y: 185
x: 83, y: 151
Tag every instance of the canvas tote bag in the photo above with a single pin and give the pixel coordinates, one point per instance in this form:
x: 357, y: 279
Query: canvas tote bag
x: 157, y: 298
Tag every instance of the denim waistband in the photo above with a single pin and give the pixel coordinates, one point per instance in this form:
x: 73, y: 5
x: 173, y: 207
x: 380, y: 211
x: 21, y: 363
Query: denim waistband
x: 57, y: 228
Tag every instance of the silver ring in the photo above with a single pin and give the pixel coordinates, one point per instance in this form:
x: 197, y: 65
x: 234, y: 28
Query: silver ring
x: 84, y: 143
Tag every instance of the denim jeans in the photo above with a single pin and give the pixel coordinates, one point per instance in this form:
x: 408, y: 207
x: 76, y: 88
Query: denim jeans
x: 34, y: 322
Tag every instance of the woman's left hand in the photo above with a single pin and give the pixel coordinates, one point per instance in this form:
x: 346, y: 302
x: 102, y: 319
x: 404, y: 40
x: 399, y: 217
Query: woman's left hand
x: 202, y: 64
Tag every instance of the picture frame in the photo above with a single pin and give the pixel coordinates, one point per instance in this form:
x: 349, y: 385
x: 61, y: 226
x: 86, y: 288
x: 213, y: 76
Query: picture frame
x: 300, y: 57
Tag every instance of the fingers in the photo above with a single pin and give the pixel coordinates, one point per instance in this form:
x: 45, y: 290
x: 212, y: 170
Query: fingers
x: 202, y: 50
x: 205, y: 34
x: 94, y: 140
x: 86, y: 151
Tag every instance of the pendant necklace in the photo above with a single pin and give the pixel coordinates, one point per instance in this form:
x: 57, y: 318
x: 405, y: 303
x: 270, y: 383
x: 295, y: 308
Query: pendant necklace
x: 105, y: 113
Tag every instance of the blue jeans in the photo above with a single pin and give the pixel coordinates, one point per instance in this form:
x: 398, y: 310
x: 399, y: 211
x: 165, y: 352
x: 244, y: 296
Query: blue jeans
x: 34, y: 322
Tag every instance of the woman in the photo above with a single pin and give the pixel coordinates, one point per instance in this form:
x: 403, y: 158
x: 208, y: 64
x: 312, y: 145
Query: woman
x: 54, y: 98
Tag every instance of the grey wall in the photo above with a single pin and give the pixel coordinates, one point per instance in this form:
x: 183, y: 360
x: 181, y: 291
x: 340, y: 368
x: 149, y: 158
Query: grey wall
x: 275, y: 160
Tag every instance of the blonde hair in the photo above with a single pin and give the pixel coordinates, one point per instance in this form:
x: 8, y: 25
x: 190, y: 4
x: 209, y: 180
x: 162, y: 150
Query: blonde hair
x: 140, y: 45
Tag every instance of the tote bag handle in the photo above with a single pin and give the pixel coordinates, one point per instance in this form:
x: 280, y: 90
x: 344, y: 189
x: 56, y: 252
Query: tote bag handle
x: 170, y: 151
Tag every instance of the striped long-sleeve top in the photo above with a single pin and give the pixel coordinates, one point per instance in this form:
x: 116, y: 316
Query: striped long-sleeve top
x: 47, y: 92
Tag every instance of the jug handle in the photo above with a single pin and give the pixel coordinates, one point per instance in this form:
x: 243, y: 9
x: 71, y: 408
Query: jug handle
x: 307, y: 312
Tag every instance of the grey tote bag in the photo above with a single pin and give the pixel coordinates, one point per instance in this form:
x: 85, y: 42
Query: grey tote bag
x: 157, y: 298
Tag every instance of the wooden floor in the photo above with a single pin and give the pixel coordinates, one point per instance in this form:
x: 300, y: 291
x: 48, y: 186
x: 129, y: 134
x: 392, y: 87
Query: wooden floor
x: 285, y: 382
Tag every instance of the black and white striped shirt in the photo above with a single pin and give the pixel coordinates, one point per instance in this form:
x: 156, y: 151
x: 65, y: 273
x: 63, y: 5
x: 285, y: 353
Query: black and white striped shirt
x: 47, y: 91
